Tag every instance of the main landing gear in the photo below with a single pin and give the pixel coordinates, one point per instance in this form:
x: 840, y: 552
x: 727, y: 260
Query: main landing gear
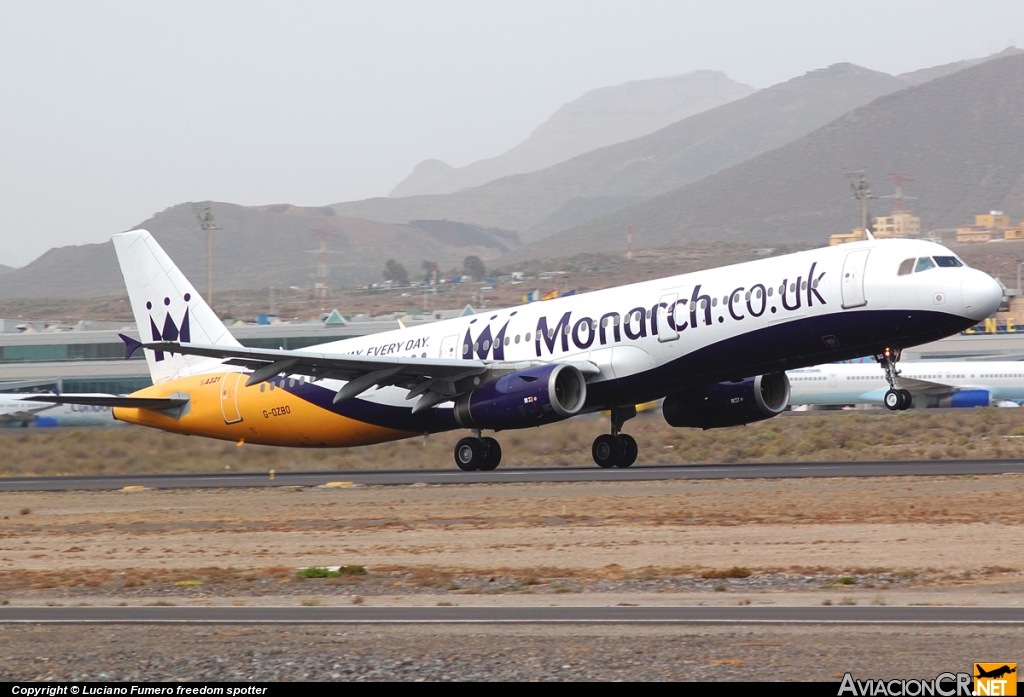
x: 477, y: 453
x: 896, y: 399
x: 616, y: 449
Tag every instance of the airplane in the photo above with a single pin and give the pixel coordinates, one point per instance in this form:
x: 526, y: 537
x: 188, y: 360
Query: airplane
x: 938, y: 383
x: 715, y: 344
x: 995, y: 672
x: 15, y: 409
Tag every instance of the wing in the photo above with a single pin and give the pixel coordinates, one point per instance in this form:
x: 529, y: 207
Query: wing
x: 926, y: 386
x: 25, y: 413
x: 432, y: 380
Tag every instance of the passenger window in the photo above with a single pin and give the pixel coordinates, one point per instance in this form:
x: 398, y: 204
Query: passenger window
x: 906, y: 267
x: 948, y: 262
x: 923, y: 264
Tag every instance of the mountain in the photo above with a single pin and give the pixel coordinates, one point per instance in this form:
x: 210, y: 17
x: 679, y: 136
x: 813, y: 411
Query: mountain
x: 261, y: 247
x: 600, y: 117
x: 5, y: 269
x: 960, y: 137
x: 540, y: 203
x: 918, y: 77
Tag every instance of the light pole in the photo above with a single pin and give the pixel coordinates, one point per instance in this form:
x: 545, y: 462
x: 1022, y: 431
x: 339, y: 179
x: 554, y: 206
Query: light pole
x: 861, y: 192
x: 205, y: 217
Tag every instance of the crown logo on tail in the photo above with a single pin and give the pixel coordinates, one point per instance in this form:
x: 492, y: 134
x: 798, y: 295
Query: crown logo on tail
x: 170, y: 330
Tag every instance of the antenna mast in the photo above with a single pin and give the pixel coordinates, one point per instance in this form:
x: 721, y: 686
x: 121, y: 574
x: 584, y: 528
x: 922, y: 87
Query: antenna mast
x: 899, y: 178
x: 323, y: 272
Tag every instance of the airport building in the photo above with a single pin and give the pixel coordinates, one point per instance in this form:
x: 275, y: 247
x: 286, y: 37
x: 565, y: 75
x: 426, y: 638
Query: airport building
x: 989, y: 226
x: 898, y: 224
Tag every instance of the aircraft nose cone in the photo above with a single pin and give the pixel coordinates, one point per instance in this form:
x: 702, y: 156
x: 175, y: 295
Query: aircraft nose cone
x: 981, y: 294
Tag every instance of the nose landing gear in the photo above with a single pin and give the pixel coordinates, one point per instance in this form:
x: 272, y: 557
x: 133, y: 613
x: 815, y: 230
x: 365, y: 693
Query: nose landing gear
x: 616, y: 449
x: 896, y: 398
x: 477, y: 453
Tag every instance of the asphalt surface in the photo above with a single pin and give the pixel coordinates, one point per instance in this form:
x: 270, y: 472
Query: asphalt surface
x: 430, y: 615
x: 772, y: 470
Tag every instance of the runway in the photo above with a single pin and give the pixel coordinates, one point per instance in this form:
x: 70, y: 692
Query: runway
x: 512, y: 474
x: 513, y: 615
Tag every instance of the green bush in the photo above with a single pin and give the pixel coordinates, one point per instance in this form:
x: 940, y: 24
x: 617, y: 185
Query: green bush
x: 317, y: 572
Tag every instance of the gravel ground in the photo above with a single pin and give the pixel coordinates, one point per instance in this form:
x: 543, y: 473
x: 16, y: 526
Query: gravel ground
x: 497, y: 652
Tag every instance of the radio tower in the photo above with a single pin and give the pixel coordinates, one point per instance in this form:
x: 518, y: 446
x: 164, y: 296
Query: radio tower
x: 323, y: 272
x: 898, y: 178
x: 205, y: 217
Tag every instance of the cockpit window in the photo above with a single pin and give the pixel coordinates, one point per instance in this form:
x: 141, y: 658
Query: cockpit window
x: 948, y: 262
x: 923, y: 264
x: 906, y: 267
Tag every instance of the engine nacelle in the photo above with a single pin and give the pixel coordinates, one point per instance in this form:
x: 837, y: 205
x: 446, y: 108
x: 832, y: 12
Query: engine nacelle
x: 966, y: 399
x: 531, y: 397
x: 725, y: 404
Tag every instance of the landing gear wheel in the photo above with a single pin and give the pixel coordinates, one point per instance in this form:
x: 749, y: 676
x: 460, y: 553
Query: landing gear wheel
x: 470, y: 454
x: 493, y: 455
x: 629, y: 450
x: 893, y: 400
x: 607, y: 450
x: 908, y: 399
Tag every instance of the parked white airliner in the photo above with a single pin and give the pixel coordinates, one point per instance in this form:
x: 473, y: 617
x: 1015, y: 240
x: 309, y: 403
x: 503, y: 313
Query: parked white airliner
x: 715, y: 344
x: 15, y: 410
x: 935, y: 383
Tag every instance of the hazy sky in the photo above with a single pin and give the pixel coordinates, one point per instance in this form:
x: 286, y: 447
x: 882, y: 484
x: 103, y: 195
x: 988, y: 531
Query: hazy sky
x: 112, y: 111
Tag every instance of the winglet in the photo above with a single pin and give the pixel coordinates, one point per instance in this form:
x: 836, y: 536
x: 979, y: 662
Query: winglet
x: 130, y: 345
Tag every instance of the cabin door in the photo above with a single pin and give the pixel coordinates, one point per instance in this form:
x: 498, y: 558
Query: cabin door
x: 229, y: 397
x: 853, y: 278
x: 450, y: 347
x: 666, y: 309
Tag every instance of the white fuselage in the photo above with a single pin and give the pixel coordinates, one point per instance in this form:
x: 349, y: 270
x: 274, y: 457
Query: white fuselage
x: 631, y: 330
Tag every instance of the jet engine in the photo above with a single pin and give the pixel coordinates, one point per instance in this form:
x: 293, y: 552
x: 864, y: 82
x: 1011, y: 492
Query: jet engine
x: 966, y: 399
x: 732, y: 403
x: 530, y: 397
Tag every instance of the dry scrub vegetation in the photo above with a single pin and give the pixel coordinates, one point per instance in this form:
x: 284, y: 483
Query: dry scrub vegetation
x: 815, y: 436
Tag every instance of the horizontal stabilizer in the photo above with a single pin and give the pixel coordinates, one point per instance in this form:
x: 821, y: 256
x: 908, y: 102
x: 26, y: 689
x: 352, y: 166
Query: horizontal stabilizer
x: 130, y: 345
x: 154, y: 403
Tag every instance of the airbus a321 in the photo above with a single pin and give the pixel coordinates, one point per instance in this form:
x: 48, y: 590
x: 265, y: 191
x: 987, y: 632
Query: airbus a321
x: 715, y: 344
